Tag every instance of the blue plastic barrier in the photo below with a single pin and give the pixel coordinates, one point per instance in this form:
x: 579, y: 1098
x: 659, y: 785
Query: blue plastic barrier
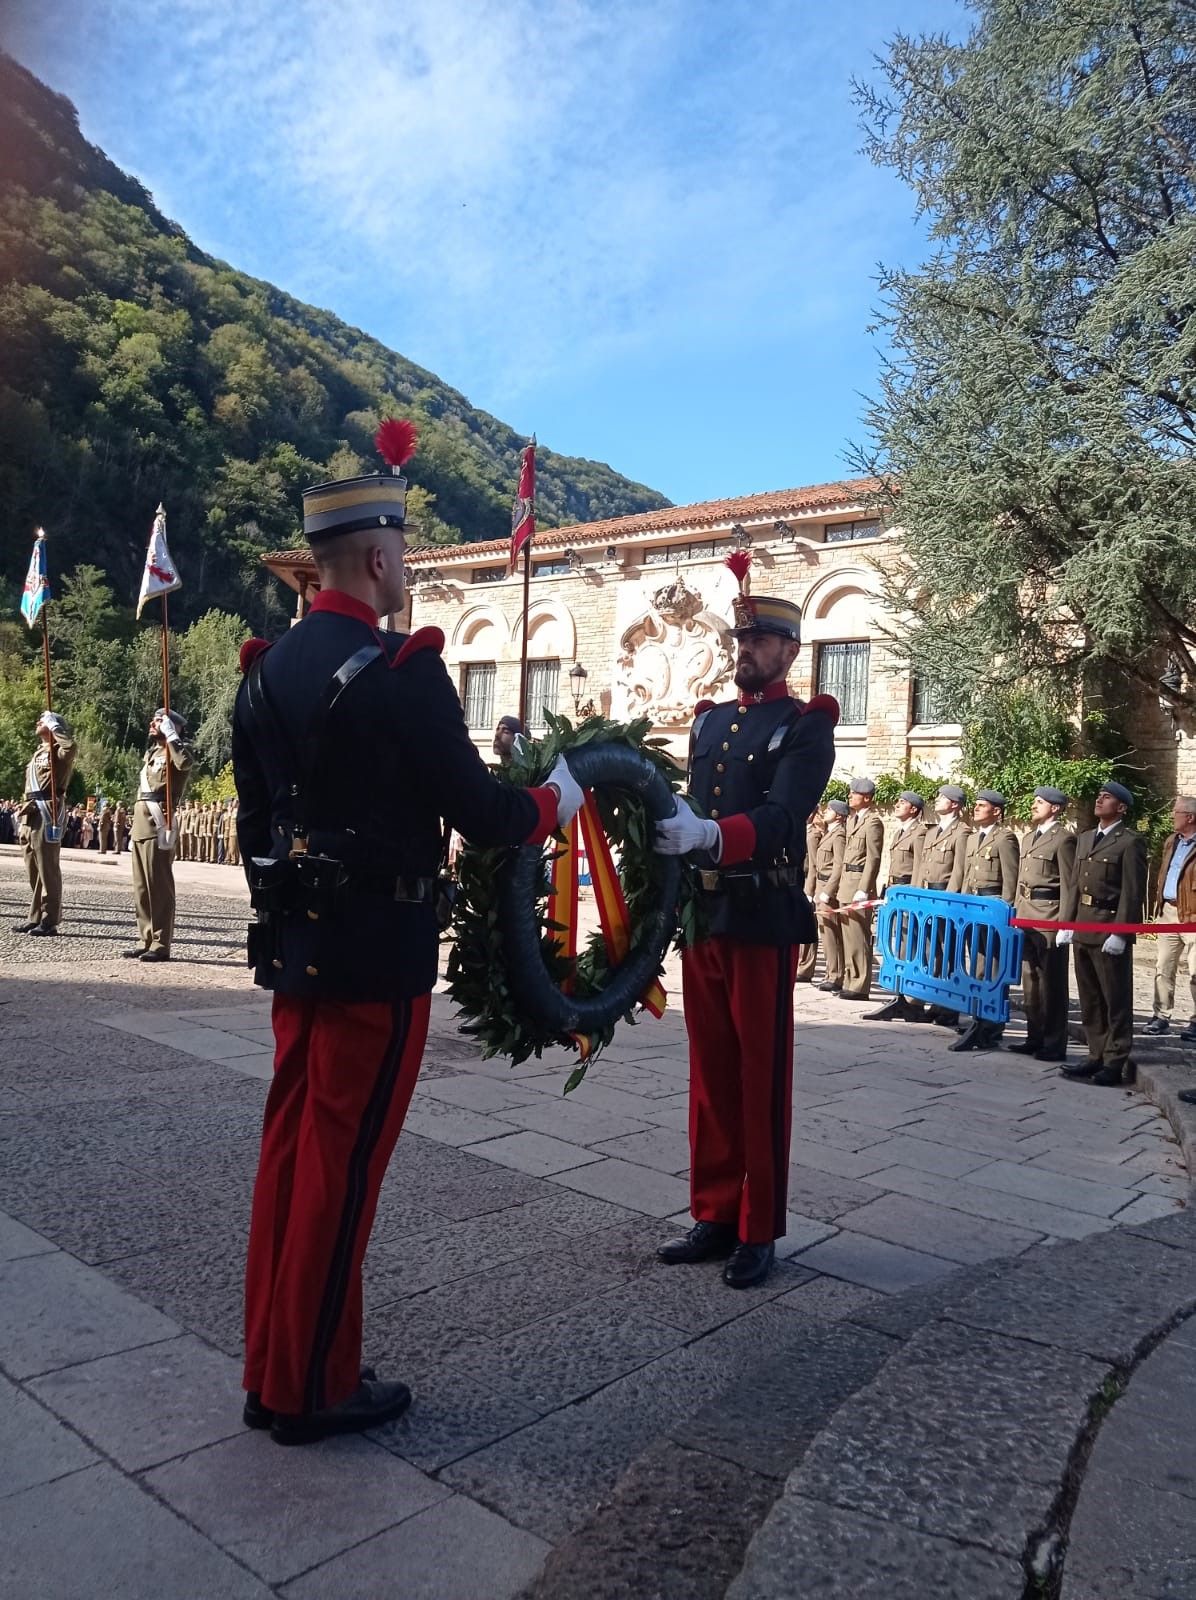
x: 957, y: 951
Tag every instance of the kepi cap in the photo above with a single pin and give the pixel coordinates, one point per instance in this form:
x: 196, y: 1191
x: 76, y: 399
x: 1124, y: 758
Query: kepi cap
x: 1118, y: 791
x: 377, y: 500
x: 952, y: 791
x: 761, y: 613
x: 993, y: 796
x: 1053, y: 797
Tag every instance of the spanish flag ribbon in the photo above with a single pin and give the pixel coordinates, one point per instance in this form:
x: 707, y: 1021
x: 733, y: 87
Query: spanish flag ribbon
x: 562, y: 900
x: 612, y: 907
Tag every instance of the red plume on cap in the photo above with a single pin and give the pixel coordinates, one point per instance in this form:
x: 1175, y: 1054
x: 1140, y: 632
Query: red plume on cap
x: 740, y: 561
x: 395, y: 440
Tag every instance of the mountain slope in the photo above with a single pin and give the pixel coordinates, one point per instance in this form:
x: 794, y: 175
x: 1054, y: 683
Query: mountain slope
x: 133, y: 368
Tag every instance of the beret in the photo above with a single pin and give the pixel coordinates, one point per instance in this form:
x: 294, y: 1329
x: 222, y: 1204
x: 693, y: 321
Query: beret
x: 952, y: 791
x: 862, y: 786
x: 1053, y: 797
x: 839, y: 807
x: 1118, y: 791
x: 993, y: 796
x: 913, y: 798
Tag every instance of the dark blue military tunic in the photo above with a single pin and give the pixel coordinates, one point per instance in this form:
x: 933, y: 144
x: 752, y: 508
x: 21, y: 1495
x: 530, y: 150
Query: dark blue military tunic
x: 758, y: 767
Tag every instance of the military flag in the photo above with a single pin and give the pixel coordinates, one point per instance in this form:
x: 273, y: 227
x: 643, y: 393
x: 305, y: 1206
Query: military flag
x: 36, y: 592
x: 523, y: 512
x: 160, y: 575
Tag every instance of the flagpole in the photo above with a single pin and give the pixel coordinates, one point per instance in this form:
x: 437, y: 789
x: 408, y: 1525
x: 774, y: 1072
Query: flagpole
x: 166, y: 696
x: 49, y: 707
x: 527, y: 588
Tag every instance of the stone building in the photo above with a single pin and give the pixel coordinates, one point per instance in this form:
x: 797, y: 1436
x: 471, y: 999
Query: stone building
x: 632, y: 615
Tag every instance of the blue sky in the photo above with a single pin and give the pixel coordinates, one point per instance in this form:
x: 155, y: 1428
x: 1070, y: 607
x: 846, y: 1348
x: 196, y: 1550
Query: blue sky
x: 644, y: 231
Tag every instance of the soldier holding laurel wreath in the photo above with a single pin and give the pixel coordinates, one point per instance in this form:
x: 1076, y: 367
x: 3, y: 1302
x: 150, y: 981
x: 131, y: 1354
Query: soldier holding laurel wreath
x: 758, y: 765
x: 349, y: 748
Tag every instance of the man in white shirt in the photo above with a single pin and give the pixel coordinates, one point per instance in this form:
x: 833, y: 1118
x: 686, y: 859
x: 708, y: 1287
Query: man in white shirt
x: 1175, y: 901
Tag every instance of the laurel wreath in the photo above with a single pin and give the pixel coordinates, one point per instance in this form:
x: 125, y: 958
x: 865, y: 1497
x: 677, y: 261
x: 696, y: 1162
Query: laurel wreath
x: 480, y: 981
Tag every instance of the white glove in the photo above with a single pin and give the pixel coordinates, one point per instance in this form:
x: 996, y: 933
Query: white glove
x: 684, y: 832
x: 50, y: 720
x: 824, y: 899
x: 1114, y: 945
x: 858, y: 895
x: 1065, y: 937
x: 568, y: 790
x: 168, y: 730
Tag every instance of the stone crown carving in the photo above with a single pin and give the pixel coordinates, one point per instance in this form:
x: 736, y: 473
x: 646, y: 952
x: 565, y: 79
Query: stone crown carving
x: 676, y: 602
x: 676, y: 654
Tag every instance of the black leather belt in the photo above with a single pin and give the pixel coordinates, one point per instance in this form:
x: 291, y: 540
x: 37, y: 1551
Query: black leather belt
x: 854, y: 866
x: 942, y: 885
x: 1098, y: 905
x: 714, y: 882
x: 1046, y: 893
x: 908, y: 878
x: 989, y: 892
x: 825, y: 877
x: 152, y: 794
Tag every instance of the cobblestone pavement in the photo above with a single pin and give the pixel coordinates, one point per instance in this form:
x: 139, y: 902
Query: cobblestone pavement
x: 511, y: 1277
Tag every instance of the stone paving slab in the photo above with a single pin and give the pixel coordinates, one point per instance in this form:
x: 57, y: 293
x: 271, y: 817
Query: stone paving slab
x: 839, y: 1552
x: 965, y: 1437
x: 54, y: 1312
x: 453, y: 1551
x: 281, y: 1512
x: 874, y: 1263
x: 37, y: 1448
x: 55, y: 1536
x: 149, y: 1404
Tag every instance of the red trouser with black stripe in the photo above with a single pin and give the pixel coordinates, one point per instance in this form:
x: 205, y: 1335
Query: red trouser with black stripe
x: 343, y: 1077
x: 739, y: 1015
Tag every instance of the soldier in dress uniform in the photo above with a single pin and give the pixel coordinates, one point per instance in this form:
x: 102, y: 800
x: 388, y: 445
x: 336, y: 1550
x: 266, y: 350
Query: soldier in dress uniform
x: 862, y: 850
x: 905, y: 860
x: 758, y: 764
x: 40, y: 831
x: 107, y: 820
x: 153, y: 847
x: 828, y: 872
x: 944, y: 846
x: 990, y: 868
x: 1107, y: 885
x: 349, y: 747
x: 1047, y: 861
x: 809, y: 952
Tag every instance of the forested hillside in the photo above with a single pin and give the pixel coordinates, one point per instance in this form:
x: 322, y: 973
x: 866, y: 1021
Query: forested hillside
x: 134, y: 368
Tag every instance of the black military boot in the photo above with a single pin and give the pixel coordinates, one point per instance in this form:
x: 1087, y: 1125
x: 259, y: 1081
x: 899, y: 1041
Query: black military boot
x: 24, y: 927
x: 749, y: 1265
x: 1026, y: 1047
x: 371, y: 1404
x: 1114, y: 1074
x: 44, y: 930
x: 972, y: 1037
x: 705, y: 1241
x: 255, y: 1415
x: 1082, y: 1069
x: 893, y: 1011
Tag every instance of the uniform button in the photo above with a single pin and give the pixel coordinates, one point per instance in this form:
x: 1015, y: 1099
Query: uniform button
x: 718, y: 791
x: 751, y: 758
x: 743, y: 711
x: 714, y: 815
x: 734, y: 727
x: 726, y: 746
x: 721, y: 767
x: 312, y: 972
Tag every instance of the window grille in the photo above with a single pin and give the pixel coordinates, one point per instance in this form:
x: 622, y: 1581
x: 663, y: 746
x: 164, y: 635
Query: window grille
x: 931, y: 702
x: 543, y: 683
x: 477, y: 693
x: 843, y: 532
x: 487, y: 574
x: 843, y: 672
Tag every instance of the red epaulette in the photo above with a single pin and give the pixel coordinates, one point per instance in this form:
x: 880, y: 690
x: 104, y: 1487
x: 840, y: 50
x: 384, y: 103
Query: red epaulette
x: 703, y: 706
x: 250, y: 650
x: 823, y: 702
x: 421, y: 639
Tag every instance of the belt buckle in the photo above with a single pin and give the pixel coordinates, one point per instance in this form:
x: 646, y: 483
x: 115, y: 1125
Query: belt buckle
x: 709, y: 878
x: 1087, y: 900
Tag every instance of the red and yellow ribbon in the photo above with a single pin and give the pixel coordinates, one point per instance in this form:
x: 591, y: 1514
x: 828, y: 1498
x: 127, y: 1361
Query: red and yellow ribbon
x: 608, y: 893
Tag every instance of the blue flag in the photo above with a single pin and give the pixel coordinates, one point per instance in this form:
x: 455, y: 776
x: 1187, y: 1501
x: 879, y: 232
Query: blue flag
x: 37, y: 584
